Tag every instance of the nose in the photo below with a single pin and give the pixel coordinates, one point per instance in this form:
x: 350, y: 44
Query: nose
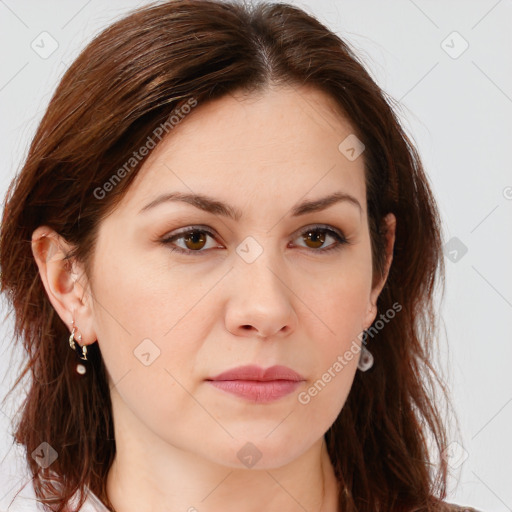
x: 260, y: 301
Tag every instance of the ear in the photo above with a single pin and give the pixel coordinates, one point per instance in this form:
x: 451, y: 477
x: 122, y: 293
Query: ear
x: 389, y: 222
x: 65, y: 282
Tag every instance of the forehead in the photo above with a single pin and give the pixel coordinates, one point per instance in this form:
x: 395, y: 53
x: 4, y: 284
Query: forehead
x: 278, y: 141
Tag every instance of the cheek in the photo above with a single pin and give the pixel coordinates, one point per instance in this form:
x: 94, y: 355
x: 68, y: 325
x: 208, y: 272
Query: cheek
x: 147, y: 329
x: 335, y: 358
x: 339, y: 299
x: 142, y: 293
x: 340, y: 305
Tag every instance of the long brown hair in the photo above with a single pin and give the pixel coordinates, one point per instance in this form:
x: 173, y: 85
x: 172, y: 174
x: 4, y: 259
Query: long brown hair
x: 126, y: 82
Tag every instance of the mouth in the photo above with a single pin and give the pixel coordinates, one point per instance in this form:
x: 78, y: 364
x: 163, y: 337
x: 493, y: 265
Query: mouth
x: 256, y: 384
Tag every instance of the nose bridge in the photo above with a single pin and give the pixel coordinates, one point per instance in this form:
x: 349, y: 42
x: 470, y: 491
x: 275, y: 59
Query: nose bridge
x: 260, y: 268
x: 260, y: 300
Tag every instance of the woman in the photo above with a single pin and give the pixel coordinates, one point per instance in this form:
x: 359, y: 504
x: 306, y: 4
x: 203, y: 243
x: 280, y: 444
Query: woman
x: 221, y: 253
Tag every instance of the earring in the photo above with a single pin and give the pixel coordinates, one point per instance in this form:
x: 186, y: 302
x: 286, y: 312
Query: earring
x: 365, y: 360
x: 80, y: 368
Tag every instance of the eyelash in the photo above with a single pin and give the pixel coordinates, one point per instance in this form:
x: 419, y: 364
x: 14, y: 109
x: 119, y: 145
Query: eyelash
x: 336, y: 234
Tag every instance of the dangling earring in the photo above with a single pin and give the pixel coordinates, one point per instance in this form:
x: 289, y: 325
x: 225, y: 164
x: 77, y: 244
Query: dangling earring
x: 80, y: 368
x: 365, y: 360
x: 366, y: 357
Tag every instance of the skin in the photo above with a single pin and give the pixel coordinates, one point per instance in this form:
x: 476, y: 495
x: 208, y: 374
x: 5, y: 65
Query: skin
x: 177, y: 436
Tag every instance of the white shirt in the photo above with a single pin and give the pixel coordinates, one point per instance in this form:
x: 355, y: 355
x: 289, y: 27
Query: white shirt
x: 93, y: 504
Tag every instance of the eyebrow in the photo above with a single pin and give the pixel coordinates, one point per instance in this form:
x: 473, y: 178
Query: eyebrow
x: 212, y: 205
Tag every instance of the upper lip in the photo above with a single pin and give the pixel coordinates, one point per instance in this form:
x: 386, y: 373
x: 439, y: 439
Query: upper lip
x: 257, y: 373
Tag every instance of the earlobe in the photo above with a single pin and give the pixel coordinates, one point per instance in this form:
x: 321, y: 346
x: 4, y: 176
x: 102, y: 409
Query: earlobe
x: 59, y: 277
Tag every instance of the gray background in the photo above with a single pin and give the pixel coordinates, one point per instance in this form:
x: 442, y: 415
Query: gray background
x: 456, y: 103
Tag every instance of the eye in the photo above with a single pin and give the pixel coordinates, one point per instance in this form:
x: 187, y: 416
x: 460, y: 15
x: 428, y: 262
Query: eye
x: 316, y: 237
x: 194, y: 239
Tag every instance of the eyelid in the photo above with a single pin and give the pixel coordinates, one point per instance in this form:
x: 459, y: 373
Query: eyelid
x: 318, y: 227
x: 188, y: 229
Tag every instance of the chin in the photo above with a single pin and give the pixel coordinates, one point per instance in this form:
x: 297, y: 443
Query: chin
x: 255, y: 453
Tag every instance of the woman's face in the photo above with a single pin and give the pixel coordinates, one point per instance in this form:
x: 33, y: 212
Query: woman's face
x: 261, y: 281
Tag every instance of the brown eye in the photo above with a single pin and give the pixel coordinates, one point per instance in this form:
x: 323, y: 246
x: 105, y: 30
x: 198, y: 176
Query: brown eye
x: 195, y: 240
x: 317, y: 238
x: 190, y: 241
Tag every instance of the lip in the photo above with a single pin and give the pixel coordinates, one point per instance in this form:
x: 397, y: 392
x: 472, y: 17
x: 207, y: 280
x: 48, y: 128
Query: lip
x: 257, y: 373
x: 258, y: 384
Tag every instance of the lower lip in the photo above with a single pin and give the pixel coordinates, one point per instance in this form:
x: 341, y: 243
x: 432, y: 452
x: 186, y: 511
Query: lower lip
x: 257, y: 391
